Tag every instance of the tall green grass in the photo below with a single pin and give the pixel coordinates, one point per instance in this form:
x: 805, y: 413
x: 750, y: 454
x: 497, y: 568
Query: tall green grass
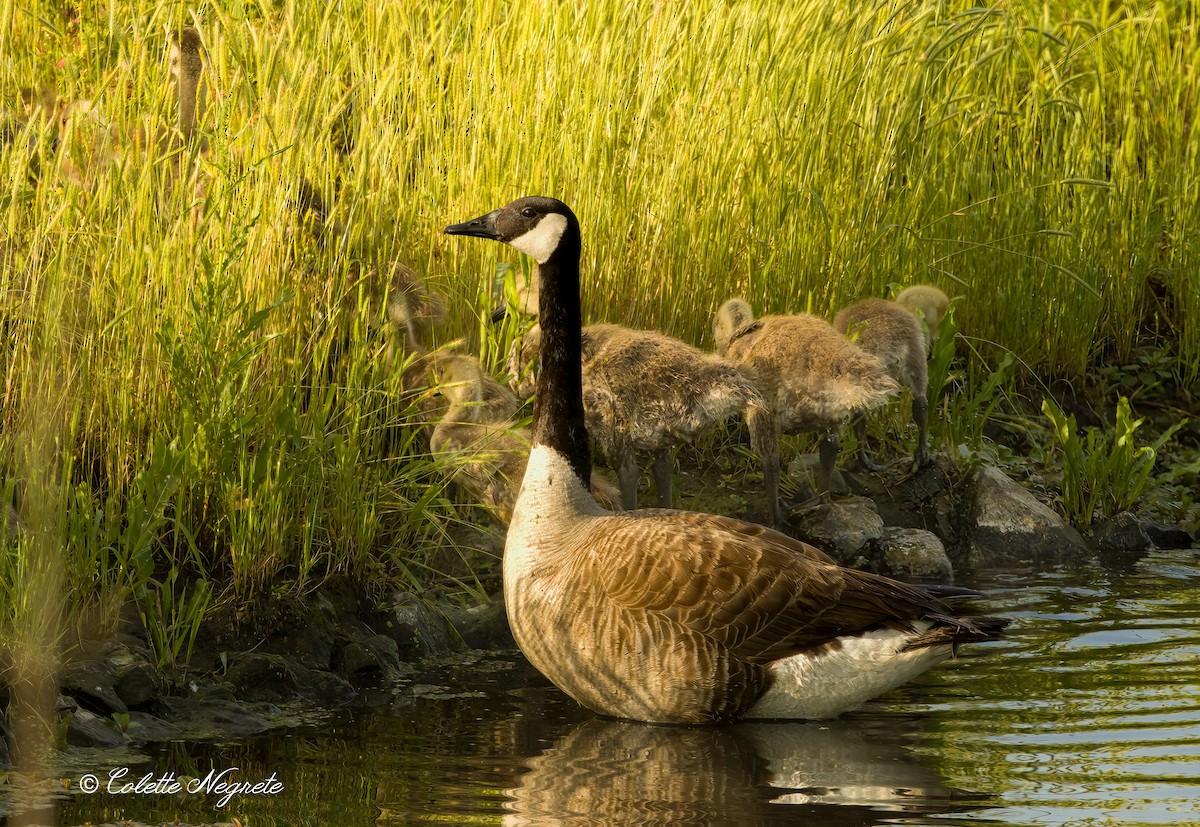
x: 1033, y: 160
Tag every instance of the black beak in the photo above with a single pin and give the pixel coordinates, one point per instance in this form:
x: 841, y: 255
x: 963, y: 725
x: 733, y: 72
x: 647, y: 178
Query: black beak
x: 500, y: 313
x: 482, y: 227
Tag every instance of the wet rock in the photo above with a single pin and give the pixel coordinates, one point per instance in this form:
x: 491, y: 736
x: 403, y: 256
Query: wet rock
x: 258, y: 676
x: 323, y: 688
x: 135, y: 679
x: 842, y: 529
x: 145, y: 727
x: 420, y: 629
x: 309, y: 642
x: 374, y: 655
x: 916, y: 554
x: 1122, y: 534
x: 1008, y: 525
x: 486, y: 626
x: 1167, y: 536
x: 90, y: 681
x: 87, y: 729
x: 208, y: 718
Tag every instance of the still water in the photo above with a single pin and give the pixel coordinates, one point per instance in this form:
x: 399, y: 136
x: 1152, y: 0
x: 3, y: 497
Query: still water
x: 1087, y: 714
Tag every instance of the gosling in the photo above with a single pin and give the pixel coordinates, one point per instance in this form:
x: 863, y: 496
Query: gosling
x: 929, y: 304
x: 891, y: 333
x: 645, y: 392
x: 811, y: 378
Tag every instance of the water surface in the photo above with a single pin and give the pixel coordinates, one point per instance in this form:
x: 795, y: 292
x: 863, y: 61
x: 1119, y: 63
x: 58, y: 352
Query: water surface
x: 1087, y: 714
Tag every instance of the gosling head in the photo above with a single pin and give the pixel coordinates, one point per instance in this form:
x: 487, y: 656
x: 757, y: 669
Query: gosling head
x: 731, y: 317
x: 186, y: 60
x: 537, y: 226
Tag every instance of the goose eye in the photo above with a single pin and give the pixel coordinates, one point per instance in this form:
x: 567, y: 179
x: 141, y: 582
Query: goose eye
x: 529, y: 212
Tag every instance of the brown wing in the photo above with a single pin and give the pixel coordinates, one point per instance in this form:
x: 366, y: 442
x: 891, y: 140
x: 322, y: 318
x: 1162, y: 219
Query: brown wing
x: 754, y: 592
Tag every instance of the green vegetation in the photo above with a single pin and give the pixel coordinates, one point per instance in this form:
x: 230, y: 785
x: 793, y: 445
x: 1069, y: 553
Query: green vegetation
x: 221, y: 425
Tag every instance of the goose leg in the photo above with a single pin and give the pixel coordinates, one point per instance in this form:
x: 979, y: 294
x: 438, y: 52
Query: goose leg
x: 664, y: 475
x: 920, y: 412
x: 829, y: 452
x: 627, y: 478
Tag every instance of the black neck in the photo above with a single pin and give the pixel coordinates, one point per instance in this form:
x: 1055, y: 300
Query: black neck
x: 558, y: 402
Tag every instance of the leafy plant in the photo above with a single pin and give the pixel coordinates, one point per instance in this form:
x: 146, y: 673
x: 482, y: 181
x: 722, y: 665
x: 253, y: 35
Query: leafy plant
x: 1107, y: 472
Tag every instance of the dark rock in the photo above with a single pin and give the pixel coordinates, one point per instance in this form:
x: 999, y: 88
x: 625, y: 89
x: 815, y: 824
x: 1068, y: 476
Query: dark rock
x: 257, y: 676
x: 486, y: 626
x: 842, y: 529
x: 90, y: 681
x: 311, y: 641
x: 913, y: 553
x: 420, y: 629
x: 1167, y: 536
x: 87, y: 729
x: 1122, y: 534
x: 136, y: 680
x: 206, y: 719
x: 325, y: 689
x: 1008, y: 525
x: 145, y: 727
x: 374, y: 655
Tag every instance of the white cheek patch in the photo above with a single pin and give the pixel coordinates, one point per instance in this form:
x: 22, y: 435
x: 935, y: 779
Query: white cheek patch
x: 541, y: 242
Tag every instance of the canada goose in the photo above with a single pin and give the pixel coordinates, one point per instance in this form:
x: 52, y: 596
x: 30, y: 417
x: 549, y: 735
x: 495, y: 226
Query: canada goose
x: 811, y: 377
x: 670, y: 616
x: 645, y: 392
x: 892, y: 333
x: 932, y: 304
x: 187, y: 70
x: 424, y: 377
x: 489, y: 453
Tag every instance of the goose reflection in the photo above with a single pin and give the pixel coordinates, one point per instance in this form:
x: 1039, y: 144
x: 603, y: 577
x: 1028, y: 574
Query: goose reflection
x: 618, y: 772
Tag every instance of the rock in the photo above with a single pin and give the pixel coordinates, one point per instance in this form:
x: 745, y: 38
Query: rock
x: 136, y: 680
x: 206, y: 718
x: 311, y: 641
x: 486, y: 626
x: 258, y: 676
x: 146, y: 727
x: 1008, y: 525
x: 325, y: 689
x: 1167, y: 536
x: 419, y: 629
x: 374, y: 655
x: 842, y: 529
x: 914, y: 554
x: 87, y: 729
x: 1122, y: 534
x: 91, y: 681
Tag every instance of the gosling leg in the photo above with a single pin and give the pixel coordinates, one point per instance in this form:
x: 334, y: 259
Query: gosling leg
x: 920, y: 411
x: 829, y: 452
x: 664, y: 475
x: 627, y: 478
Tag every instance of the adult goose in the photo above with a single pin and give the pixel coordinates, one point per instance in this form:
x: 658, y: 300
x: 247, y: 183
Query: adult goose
x: 669, y: 616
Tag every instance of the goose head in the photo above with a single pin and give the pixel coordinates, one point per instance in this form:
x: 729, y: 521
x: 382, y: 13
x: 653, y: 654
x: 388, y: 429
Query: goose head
x: 538, y: 226
x: 731, y: 317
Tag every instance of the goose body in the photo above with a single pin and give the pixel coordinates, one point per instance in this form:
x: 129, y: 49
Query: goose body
x: 675, y: 617
x: 892, y: 333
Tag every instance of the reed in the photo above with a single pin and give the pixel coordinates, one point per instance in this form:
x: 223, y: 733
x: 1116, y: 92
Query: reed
x: 1033, y: 161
